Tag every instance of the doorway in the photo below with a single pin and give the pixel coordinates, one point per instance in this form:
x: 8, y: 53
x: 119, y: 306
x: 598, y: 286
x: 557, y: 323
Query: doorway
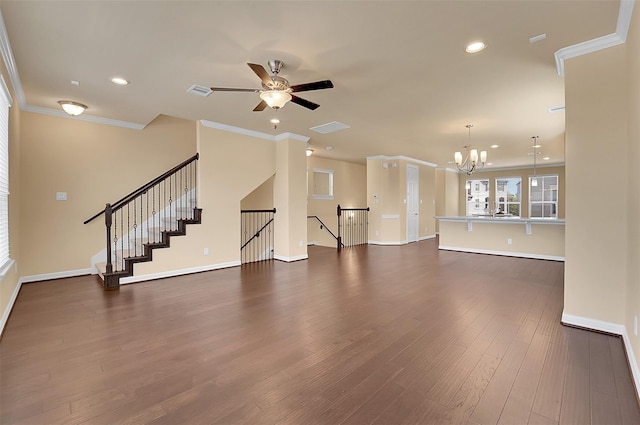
x: 413, y: 203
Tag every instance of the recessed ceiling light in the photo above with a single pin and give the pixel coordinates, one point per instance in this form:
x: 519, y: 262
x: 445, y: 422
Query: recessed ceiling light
x: 495, y: 146
x: 546, y: 158
x: 119, y: 81
x: 489, y: 163
x: 275, y: 121
x: 536, y: 146
x: 329, y: 148
x: 75, y: 83
x: 475, y: 47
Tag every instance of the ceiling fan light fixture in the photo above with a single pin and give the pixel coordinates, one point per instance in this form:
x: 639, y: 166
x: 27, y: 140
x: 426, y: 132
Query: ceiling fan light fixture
x: 276, y: 99
x: 72, y: 108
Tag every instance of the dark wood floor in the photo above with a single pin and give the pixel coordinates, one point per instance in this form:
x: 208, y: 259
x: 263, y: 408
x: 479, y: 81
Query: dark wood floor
x: 372, y: 335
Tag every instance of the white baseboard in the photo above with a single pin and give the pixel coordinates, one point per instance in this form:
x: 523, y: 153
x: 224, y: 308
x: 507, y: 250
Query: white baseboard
x: 290, y: 259
x: 424, y: 238
x: 503, y: 253
x: 57, y: 275
x: 9, y: 307
x: 179, y: 272
x: 404, y: 242
x: 612, y: 328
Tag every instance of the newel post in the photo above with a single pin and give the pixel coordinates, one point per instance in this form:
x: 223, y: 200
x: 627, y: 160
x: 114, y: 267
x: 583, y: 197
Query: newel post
x: 107, y: 221
x: 339, y: 219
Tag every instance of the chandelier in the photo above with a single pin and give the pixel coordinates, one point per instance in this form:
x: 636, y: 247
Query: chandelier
x: 470, y: 162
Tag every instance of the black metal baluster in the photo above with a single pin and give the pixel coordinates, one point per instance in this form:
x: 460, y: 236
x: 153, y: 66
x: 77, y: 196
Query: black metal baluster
x: 115, y: 243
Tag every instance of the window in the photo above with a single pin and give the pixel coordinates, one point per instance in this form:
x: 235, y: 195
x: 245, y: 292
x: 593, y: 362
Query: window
x: 543, y: 198
x: 322, y: 184
x: 5, y: 103
x: 509, y: 195
x: 477, y: 197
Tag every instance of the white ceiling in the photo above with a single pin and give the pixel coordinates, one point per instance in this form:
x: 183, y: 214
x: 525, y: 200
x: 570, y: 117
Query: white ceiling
x: 403, y: 80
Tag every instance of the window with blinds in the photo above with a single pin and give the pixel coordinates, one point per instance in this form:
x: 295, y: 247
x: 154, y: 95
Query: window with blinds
x: 5, y: 103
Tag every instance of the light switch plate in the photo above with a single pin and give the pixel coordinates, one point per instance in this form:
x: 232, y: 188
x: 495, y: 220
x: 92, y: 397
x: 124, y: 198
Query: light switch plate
x: 61, y: 196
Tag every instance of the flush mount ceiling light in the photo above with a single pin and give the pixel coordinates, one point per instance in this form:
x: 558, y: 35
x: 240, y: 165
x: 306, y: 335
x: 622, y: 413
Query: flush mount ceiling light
x: 494, y: 146
x: 276, y: 99
x: 309, y: 152
x: 119, y: 81
x: 470, y: 162
x: 72, y: 108
x: 475, y: 47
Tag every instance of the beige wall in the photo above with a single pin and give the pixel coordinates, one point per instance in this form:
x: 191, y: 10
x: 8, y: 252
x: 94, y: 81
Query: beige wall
x: 388, y: 216
x: 289, y: 194
x: 94, y: 164
x: 9, y: 283
x: 524, y: 174
x: 596, y: 134
x: 601, y: 272
x: 261, y: 198
x: 633, y: 189
x: 231, y: 166
x: 447, y: 194
x: 349, y: 190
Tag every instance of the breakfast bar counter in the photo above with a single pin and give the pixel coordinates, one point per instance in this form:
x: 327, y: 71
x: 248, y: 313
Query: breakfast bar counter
x: 541, y: 238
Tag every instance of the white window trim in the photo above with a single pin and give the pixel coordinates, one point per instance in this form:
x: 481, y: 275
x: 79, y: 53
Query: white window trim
x: 506, y: 202
x: 330, y: 173
x: 5, y: 97
x: 556, y: 202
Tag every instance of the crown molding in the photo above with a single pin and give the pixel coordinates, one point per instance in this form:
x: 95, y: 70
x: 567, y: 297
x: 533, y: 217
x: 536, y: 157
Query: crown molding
x: 83, y: 117
x: 619, y: 37
x: 251, y: 133
x: 402, y: 157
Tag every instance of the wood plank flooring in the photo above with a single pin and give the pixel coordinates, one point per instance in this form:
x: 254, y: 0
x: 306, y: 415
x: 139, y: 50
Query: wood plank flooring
x: 369, y: 335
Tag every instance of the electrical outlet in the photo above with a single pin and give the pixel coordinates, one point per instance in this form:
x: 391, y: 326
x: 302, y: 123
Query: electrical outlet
x: 206, y: 251
x: 509, y: 241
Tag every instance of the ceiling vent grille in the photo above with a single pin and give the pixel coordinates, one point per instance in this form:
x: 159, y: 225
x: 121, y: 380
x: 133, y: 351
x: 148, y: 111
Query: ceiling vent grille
x: 199, y: 90
x: 330, y: 127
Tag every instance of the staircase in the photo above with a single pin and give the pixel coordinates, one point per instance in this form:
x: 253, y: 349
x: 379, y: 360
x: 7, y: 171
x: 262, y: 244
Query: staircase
x: 147, y: 219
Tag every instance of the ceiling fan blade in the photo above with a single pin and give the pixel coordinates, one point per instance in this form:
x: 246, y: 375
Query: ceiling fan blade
x: 318, y: 85
x: 305, y: 103
x: 261, y: 72
x: 260, y: 106
x: 233, y: 89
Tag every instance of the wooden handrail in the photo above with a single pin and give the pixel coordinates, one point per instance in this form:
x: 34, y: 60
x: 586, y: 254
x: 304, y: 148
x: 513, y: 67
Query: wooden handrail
x: 325, y: 226
x: 118, y: 204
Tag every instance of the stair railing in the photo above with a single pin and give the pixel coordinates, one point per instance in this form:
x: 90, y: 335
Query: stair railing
x: 147, y: 216
x: 353, y: 226
x: 256, y: 229
x: 324, y: 227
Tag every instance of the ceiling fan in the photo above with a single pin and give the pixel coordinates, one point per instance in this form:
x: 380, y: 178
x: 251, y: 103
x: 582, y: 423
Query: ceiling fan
x: 276, y: 91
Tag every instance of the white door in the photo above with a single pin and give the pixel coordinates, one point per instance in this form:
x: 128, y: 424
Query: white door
x: 413, y: 203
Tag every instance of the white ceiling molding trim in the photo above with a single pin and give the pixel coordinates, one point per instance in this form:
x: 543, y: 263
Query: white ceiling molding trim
x: 590, y: 46
x: 405, y: 158
x: 251, y: 133
x: 293, y: 136
x: 12, y: 69
x: 88, y: 118
x: 10, y: 63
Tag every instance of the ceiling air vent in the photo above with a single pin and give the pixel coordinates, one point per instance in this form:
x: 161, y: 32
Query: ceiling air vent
x: 199, y: 90
x: 330, y: 127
